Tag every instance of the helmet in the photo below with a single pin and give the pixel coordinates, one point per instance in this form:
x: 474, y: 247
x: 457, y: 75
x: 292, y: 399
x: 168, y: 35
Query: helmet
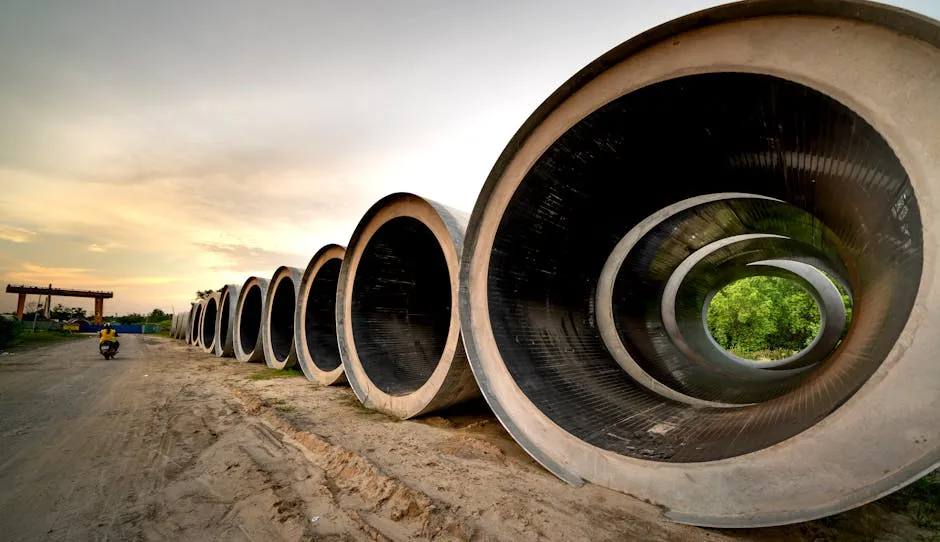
x: 107, y: 325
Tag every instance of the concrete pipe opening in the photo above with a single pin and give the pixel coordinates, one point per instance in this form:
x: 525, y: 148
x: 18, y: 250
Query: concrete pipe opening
x: 690, y: 137
x: 225, y: 323
x: 315, y: 318
x: 277, y: 323
x: 195, y: 337
x: 248, y: 341
x: 207, y: 323
x: 396, y: 314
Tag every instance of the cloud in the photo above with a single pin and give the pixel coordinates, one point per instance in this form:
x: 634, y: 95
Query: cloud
x: 94, y: 247
x: 32, y: 273
x: 16, y: 235
x: 244, y: 258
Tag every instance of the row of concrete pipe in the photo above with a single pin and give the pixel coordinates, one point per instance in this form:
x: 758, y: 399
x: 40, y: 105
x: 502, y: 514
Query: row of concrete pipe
x: 573, y: 297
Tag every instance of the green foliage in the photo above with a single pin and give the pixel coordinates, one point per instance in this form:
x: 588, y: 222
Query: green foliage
x: 924, y: 501
x: 760, y: 313
x: 204, y: 294
x: 9, y: 331
x: 165, y: 326
x: 61, y: 312
x: 128, y: 319
x: 157, y: 316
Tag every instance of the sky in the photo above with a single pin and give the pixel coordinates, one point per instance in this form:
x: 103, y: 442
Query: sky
x: 159, y: 148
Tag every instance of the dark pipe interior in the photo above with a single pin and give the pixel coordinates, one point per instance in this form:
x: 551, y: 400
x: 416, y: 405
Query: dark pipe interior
x: 250, y: 324
x: 208, y: 324
x: 401, y: 306
x: 320, y: 317
x: 226, y: 308
x: 282, y: 318
x: 685, y: 137
x: 194, y: 325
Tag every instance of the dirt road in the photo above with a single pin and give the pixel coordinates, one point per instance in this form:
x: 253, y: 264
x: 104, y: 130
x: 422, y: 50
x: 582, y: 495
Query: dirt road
x: 168, y: 443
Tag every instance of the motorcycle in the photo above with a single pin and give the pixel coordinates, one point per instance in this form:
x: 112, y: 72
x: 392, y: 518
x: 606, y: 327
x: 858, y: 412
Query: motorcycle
x: 108, y: 349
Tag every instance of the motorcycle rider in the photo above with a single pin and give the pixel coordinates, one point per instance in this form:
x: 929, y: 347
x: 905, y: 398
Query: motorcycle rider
x: 107, y: 334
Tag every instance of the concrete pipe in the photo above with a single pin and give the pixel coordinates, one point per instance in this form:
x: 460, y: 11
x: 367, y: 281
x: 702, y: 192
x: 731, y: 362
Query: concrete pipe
x: 225, y: 323
x: 180, y: 331
x: 277, y: 321
x: 712, y: 126
x: 207, y: 323
x: 315, y: 318
x: 173, y: 325
x: 195, y: 337
x: 181, y: 327
x: 187, y: 328
x: 396, y: 315
x: 248, y: 342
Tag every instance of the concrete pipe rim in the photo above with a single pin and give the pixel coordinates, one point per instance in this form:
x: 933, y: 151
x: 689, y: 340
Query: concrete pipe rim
x: 225, y: 321
x: 277, y: 320
x: 323, y: 373
x: 185, y: 330
x: 726, y: 39
x: 247, y: 336
x: 207, y: 323
x: 447, y: 230
x: 195, y: 334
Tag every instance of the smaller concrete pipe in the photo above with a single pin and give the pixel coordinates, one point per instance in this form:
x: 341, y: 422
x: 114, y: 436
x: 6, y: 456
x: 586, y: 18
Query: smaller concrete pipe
x: 225, y: 321
x: 247, y: 336
x: 277, y: 322
x: 173, y: 325
x: 194, y: 337
x: 397, y: 310
x: 187, y: 328
x: 207, y: 323
x: 180, y: 332
x: 177, y: 325
x: 315, y: 318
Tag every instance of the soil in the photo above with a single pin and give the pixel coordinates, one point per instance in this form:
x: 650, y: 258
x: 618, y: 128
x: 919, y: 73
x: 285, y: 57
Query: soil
x: 165, y: 442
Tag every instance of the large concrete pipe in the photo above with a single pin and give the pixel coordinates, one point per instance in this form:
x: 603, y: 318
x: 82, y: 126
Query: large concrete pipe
x: 810, y: 125
x: 249, y: 345
x: 315, y: 318
x: 225, y: 322
x: 396, y: 310
x: 195, y: 337
x: 208, y: 322
x: 277, y: 321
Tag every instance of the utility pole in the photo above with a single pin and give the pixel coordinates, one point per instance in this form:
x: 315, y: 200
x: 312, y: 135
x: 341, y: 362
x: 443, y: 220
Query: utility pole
x: 36, y: 314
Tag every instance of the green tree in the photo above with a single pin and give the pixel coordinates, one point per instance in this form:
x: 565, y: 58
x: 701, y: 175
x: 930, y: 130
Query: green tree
x: 157, y: 315
x: 61, y: 312
x: 204, y: 294
x: 762, y: 313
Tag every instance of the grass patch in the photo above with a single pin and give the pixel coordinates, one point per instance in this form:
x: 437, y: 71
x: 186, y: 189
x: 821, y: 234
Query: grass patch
x: 28, y: 338
x: 268, y: 374
x: 923, y: 501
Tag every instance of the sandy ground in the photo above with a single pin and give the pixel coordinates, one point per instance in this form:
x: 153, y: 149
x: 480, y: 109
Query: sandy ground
x: 169, y: 443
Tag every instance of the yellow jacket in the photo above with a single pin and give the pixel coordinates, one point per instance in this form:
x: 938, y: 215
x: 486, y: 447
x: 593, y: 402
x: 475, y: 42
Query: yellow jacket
x: 106, y: 335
